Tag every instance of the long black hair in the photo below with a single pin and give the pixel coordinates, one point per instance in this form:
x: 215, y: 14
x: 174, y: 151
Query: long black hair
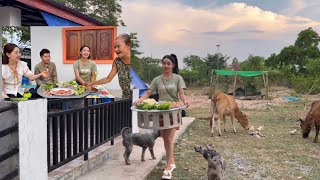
x: 8, y: 48
x: 82, y: 48
x: 173, y: 58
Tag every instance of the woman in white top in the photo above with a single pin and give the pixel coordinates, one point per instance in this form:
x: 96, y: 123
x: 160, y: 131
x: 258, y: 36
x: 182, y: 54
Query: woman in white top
x: 13, y: 70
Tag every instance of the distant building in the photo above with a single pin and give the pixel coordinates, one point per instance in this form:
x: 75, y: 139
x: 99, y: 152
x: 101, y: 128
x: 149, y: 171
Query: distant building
x: 26, y: 56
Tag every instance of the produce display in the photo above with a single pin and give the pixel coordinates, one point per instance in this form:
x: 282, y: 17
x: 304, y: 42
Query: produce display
x: 100, y: 92
x: 64, y: 89
x: 152, y: 104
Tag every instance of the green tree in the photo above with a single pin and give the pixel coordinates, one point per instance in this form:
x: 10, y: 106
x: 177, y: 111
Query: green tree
x: 272, y: 61
x: 107, y: 11
x: 21, y: 32
x: 253, y: 63
x: 192, y: 61
x: 135, y: 60
x: 313, y: 67
x: 235, y: 64
x: 307, y: 38
x: 295, y: 56
x: 4, y: 40
x: 216, y: 61
x: 198, y: 71
x: 150, y: 69
x: 189, y: 76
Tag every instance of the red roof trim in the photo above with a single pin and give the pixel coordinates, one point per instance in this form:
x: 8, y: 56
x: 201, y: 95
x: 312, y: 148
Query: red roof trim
x: 50, y: 8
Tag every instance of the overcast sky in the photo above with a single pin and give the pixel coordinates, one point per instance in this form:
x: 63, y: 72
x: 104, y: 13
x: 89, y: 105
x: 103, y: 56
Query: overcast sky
x: 195, y: 27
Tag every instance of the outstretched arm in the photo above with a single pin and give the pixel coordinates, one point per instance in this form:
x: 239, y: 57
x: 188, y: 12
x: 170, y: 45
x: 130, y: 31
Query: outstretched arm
x: 45, y: 74
x: 107, y: 79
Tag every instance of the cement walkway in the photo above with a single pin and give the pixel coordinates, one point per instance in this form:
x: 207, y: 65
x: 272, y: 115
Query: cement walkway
x: 115, y: 168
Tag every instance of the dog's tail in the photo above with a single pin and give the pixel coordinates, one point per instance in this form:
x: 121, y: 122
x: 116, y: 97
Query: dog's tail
x: 125, y: 132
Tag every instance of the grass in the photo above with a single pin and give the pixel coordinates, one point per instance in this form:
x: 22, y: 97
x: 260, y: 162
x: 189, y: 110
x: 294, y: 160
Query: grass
x: 278, y: 155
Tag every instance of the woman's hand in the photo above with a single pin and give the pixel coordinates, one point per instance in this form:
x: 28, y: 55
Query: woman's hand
x: 137, y: 102
x: 45, y: 74
x: 186, y: 102
x: 89, y: 84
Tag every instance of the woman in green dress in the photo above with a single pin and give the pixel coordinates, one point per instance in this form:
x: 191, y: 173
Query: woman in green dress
x: 121, y: 65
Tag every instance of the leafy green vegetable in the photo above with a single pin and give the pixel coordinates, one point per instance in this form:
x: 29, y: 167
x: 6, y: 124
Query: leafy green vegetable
x: 163, y: 106
x: 147, y: 106
x: 48, y: 87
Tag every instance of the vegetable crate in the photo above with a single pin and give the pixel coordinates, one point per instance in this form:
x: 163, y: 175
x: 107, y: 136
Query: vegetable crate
x: 159, y: 119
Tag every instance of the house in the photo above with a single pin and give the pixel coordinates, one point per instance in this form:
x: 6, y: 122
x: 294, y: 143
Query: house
x: 39, y: 14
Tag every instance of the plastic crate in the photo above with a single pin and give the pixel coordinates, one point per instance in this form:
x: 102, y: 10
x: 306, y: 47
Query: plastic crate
x: 157, y: 119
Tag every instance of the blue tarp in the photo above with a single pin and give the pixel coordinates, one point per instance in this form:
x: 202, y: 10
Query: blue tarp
x: 138, y: 83
x: 290, y: 98
x: 53, y: 20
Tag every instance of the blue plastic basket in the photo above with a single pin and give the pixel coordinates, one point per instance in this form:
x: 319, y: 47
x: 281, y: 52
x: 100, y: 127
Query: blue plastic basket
x: 106, y: 100
x: 25, y: 81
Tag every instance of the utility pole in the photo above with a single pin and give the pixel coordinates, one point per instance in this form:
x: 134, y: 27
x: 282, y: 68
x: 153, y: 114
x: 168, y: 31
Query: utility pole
x: 218, y: 46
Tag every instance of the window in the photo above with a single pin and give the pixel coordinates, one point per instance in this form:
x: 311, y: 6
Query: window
x: 100, y: 39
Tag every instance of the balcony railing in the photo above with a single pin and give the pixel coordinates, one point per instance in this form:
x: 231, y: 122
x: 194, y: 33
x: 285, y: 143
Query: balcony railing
x: 14, y: 150
x: 84, y: 126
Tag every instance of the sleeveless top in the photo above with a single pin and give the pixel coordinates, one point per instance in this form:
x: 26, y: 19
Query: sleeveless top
x: 123, y: 71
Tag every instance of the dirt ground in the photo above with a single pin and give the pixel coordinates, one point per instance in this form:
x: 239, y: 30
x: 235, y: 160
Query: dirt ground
x: 276, y: 155
x: 199, y: 98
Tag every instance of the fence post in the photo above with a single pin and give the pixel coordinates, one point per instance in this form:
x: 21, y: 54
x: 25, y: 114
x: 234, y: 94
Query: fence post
x: 135, y: 96
x: 86, y: 135
x: 33, y: 139
x: 1, y: 63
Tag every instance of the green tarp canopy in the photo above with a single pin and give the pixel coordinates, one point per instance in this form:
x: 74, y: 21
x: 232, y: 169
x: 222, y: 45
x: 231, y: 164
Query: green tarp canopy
x: 239, y: 73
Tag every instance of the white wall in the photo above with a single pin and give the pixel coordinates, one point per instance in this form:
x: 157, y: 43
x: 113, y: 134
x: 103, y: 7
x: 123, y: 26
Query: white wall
x: 51, y: 38
x: 33, y: 140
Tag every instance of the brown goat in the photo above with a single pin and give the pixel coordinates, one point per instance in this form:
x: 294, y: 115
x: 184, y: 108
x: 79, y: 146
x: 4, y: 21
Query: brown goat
x: 313, y: 118
x: 225, y: 105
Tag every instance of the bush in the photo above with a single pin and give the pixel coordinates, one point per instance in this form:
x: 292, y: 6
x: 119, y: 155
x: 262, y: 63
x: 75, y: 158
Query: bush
x: 277, y: 77
x: 302, y: 84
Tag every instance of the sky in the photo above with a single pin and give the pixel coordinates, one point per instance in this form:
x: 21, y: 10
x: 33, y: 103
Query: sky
x: 196, y: 27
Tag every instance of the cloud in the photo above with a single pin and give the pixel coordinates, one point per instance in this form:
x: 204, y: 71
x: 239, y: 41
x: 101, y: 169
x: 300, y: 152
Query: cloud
x: 305, y: 8
x: 171, y: 25
x: 165, y: 23
x: 232, y: 32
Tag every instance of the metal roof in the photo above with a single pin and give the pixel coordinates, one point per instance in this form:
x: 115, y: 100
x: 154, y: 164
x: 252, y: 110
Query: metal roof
x: 31, y: 16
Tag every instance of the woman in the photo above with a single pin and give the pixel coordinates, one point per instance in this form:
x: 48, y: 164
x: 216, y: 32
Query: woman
x: 171, y: 87
x: 84, y: 69
x: 13, y: 71
x: 121, y: 65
